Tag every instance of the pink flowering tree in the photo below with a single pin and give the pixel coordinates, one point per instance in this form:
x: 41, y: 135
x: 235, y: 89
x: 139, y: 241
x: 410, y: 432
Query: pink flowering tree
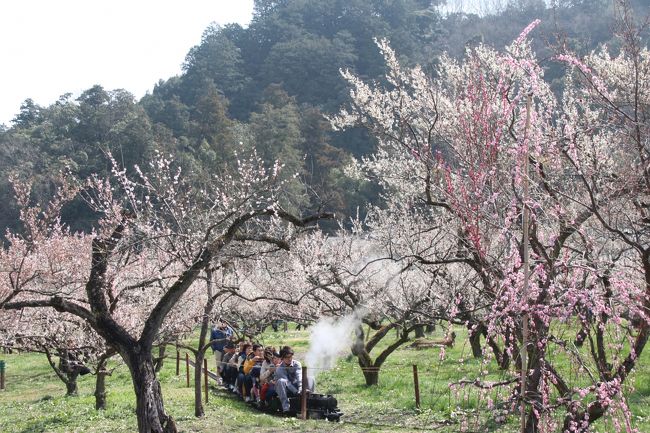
x: 143, y: 219
x: 469, y: 156
x: 603, y: 135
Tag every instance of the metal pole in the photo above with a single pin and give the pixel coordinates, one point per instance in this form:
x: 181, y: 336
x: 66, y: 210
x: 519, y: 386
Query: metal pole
x: 416, y: 383
x: 187, y: 368
x: 303, y: 394
x: 526, y: 260
x: 178, y: 363
x: 205, y: 377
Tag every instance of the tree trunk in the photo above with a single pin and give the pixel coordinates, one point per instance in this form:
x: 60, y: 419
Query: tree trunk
x: 430, y: 328
x: 532, y: 419
x: 370, y: 372
x: 535, y: 353
x: 204, y: 338
x: 371, y: 376
x: 150, y: 409
x: 198, y: 401
x: 161, y: 357
x: 475, y: 332
x: 100, y: 385
x: 502, y: 356
x: 475, y: 343
x: 63, y: 372
x: 419, y: 331
x: 71, y: 384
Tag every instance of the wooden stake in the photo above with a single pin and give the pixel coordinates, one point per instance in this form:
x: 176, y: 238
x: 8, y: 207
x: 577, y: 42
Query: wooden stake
x: 178, y: 363
x: 187, y: 368
x: 205, y: 377
x: 2, y: 375
x: 303, y: 394
x: 416, y: 384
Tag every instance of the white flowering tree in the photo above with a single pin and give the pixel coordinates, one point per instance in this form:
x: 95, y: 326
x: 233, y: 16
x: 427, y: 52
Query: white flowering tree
x: 531, y: 199
x: 157, y: 215
x: 47, y: 260
x: 350, y: 276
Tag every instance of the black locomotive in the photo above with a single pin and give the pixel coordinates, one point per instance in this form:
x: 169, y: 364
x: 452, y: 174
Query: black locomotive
x: 319, y: 406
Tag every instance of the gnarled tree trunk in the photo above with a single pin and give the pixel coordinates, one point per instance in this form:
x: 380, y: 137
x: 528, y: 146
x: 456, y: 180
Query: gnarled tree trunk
x: 71, y: 384
x: 362, y: 351
x: 150, y: 411
x: 67, y: 376
x: 371, y: 375
x: 475, y: 332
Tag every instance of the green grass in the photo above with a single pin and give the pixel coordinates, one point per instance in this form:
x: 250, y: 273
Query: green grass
x: 34, y: 400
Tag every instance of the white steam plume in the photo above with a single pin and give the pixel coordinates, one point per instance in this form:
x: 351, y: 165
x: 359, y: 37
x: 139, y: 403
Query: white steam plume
x: 329, y: 339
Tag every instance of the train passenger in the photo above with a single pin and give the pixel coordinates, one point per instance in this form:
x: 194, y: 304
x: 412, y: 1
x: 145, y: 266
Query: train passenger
x: 251, y: 370
x: 268, y: 360
x: 245, y: 350
x: 289, y: 378
x: 229, y: 369
x: 267, y: 376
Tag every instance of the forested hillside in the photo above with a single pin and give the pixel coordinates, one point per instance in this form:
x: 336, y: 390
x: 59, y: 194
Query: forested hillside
x: 270, y: 85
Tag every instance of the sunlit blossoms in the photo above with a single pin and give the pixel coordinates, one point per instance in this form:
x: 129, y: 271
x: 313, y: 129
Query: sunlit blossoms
x: 457, y: 154
x: 135, y: 280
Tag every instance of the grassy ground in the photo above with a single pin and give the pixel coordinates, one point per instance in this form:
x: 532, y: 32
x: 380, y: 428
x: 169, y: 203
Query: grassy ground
x: 34, y: 401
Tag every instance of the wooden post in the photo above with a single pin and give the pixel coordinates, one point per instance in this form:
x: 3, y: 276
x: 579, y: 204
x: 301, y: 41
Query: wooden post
x: 303, y: 394
x: 526, y: 254
x: 205, y: 378
x: 187, y: 368
x: 178, y: 363
x: 416, y: 383
x: 2, y: 375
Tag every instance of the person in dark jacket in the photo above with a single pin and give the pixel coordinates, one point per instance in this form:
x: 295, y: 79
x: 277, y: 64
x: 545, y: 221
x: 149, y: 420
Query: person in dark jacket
x: 219, y: 336
x: 229, y: 371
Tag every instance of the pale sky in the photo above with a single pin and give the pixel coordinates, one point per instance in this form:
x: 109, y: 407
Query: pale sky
x: 51, y: 47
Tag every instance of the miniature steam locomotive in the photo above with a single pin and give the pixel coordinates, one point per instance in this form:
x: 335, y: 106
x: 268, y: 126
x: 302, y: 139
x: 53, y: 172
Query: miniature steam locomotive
x: 319, y: 406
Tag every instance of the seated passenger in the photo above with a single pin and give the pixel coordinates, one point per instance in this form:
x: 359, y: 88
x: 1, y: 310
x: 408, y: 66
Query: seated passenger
x: 288, y: 378
x: 229, y: 368
x: 267, y: 376
x: 268, y: 362
x: 251, y: 370
x: 245, y: 350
